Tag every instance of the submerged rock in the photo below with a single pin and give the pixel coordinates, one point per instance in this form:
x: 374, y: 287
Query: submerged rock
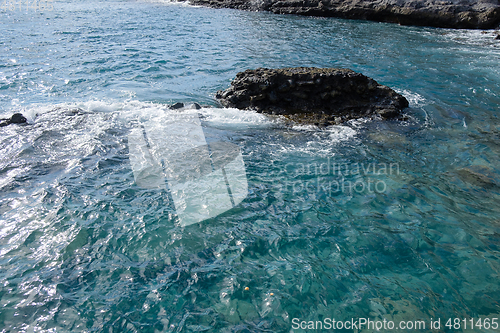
x: 181, y: 106
x: 463, y: 14
x: 177, y: 106
x: 321, y: 96
x: 477, y: 175
x: 17, y: 118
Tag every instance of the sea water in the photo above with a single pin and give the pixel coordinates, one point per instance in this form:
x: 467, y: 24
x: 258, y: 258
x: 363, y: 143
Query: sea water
x: 381, y: 220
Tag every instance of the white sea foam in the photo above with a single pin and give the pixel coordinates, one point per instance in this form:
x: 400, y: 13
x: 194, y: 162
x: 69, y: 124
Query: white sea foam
x: 231, y: 118
x: 335, y: 133
x: 415, y: 99
x: 341, y: 133
x: 82, y: 133
x: 305, y: 128
x: 173, y: 2
x: 472, y: 37
x: 138, y: 111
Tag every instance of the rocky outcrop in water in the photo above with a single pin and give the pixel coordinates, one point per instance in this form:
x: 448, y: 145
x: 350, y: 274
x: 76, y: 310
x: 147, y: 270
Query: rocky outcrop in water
x: 181, y: 106
x: 17, y: 118
x: 312, y: 95
x: 462, y: 14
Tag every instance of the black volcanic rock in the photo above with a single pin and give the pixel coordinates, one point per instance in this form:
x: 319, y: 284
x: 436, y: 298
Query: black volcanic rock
x: 462, y: 14
x: 17, y: 118
x: 312, y: 95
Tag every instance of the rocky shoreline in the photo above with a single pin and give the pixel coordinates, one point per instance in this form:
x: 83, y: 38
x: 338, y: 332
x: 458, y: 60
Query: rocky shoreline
x: 320, y: 96
x: 459, y: 14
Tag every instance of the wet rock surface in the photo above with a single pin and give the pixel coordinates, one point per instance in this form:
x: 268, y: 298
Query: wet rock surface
x: 477, y: 175
x: 17, y: 118
x: 321, y: 96
x: 465, y: 14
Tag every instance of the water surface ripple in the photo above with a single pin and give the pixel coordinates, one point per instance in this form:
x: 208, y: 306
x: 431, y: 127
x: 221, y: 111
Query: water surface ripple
x: 84, y: 249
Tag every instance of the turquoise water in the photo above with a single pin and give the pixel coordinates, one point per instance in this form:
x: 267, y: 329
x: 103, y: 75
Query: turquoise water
x: 379, y: 220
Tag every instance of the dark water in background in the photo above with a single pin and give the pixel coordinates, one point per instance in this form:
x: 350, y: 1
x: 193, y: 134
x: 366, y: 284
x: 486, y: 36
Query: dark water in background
x: 83, y: 248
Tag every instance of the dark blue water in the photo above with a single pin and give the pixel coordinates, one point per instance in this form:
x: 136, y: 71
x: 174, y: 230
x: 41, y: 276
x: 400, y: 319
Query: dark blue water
x: 380, y: 220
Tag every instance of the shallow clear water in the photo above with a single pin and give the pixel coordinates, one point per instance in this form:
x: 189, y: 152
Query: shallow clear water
x: 394, y: 220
